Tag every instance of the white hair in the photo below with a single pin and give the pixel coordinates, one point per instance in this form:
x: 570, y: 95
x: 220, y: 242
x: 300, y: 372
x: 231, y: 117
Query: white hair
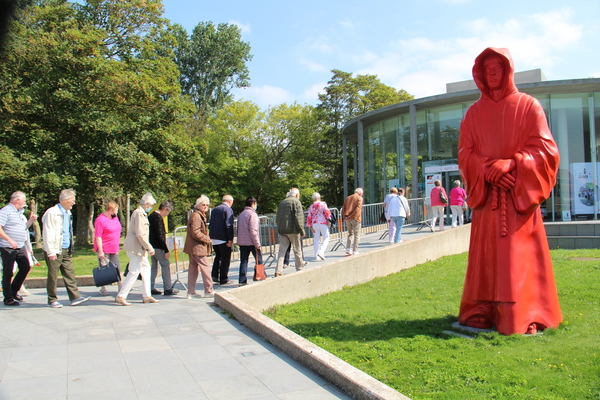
x: 66, y: 194
x: 316, y: 196
x: 293, y: 192
x: 358, y: 191
x: 200, y: 200
x: 17, y: 195
x: 147, y: 199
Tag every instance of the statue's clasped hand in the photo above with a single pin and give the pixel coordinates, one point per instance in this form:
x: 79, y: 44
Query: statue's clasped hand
x: 497, y: 172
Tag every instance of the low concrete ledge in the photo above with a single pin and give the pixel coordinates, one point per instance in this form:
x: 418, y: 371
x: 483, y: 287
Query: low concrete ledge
x: 247, y: 303
x: 354, y: 270
x: 350, y: 379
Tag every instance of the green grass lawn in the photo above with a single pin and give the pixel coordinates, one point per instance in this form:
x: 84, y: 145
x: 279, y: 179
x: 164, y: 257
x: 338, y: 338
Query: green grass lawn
x: 391, y: 328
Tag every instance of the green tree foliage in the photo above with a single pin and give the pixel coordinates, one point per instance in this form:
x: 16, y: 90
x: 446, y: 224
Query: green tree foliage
x: 345, y: 98
x: 212, y: 62
x: 90, y: 102
x: 261, y: 154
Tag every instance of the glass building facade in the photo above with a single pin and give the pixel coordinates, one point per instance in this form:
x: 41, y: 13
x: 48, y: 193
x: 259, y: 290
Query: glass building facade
x: 409, y: 143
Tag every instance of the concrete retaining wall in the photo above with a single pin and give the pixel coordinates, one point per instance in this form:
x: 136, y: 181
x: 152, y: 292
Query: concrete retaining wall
x: 246, y: 303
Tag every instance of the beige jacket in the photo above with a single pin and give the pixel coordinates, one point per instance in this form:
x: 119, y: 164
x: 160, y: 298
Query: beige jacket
x: 137, y: 239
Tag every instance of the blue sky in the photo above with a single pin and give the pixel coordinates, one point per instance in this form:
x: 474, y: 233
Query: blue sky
x: 414, y: 45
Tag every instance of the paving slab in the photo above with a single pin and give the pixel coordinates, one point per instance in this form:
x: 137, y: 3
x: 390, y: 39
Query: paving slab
x: 177, y: 348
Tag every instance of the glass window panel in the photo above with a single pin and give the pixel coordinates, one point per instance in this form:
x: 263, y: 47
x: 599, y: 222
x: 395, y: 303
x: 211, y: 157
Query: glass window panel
x: 570, y: 126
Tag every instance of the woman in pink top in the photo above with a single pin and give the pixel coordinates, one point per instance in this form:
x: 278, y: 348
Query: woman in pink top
x: 107, y: 239
x: 437, y: 206
x: 457, y: 199
x: 317, y: 220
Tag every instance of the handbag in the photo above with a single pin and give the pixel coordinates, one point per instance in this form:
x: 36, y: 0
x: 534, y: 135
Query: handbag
x: 106, y: 274
x: 443, y: 198
x: 465, y: 206
x: 259, y: 268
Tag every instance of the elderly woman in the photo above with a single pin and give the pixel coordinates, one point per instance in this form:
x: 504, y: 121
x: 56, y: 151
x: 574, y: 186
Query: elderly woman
x: 437, y: 205
x: 392, y: 196
x: 107, y: 239
x: 197, y: 247
x: 457, y: 200
x: 138, y: 248
x: 248, y: 238
x: 317, y: 219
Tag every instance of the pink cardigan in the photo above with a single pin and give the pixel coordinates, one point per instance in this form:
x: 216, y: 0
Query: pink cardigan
x: 435, y: 196
x: 247, y: 228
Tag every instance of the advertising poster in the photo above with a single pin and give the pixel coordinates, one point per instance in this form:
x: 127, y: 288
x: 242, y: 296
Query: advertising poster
x: 584, y: 201
x: 429, y: 182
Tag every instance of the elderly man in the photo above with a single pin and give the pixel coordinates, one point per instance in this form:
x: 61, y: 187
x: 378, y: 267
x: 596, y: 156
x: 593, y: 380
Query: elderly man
x: 221, y: 234
x: 509, y: 162
x: 58, y: 249
x: 13, y: 237
x: 158, y: 240
x: 290, y: 226
x: 352, y: 212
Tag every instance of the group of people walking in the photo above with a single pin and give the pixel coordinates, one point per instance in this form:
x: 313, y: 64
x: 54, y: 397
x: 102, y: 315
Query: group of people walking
x: 439, y: 201
x: 146, y: 247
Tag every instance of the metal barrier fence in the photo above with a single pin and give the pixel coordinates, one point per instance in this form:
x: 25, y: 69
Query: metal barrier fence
x: 269, y: 239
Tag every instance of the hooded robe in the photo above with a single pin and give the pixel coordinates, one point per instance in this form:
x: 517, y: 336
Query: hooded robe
x: 509, y: 279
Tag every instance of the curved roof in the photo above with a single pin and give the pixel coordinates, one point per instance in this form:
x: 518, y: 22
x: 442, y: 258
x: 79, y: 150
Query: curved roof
x: 350, y: 130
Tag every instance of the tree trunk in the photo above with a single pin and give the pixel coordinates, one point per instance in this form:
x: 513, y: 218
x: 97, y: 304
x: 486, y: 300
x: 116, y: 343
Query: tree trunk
x: 81, y: 228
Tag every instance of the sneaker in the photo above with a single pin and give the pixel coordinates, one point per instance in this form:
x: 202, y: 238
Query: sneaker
x: 23, y: 292
x: 277, y: 274
x: 242, y: 284
x: 80, y: 300
x: 286, y: 265
x: 356, y: 252
x: 104, y: 292
x: 55, y: 304
x: 170, y: 292
x: 155, y: 291
x: 209, y: 294
x: 349, y: 252
x: 194, y: 296
x: 321, y: 256
x: 11, y: 302
x: 227, y: 282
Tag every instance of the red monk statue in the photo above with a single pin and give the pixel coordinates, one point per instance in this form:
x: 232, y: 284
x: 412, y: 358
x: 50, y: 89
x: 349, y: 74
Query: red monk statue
x: 509, y: 161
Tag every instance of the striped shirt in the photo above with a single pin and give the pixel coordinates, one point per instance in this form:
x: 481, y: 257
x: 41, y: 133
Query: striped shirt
x: 14, y: 224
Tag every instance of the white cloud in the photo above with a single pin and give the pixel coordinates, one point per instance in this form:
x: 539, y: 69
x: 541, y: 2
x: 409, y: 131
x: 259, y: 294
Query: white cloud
x: 423, y: 66
x: 311, y: 95
x: 347, y: 24
x: 264, y: 96
x: 313, y: 65
x: 245, y: 28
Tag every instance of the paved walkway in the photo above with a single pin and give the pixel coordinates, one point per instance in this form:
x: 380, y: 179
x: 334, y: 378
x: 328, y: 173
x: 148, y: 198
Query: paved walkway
x: 176, y: 349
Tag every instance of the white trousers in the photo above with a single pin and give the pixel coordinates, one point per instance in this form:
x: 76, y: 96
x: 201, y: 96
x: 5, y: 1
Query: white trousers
x: 137, y: 265
x: 321, y: 230
x: 457, y: 214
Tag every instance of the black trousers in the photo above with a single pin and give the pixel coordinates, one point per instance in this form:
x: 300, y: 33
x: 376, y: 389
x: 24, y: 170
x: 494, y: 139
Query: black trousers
x: 11, y: 286
x: 220, y: 268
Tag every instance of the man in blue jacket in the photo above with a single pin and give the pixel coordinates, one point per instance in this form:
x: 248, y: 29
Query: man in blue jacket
x: 221, y: 234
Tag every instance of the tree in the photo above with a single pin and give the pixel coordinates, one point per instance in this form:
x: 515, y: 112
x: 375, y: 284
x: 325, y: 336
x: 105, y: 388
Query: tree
x: 260, y: 154
x: 80, y: 108
x: 345, y: 98
x: 212, y: 62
